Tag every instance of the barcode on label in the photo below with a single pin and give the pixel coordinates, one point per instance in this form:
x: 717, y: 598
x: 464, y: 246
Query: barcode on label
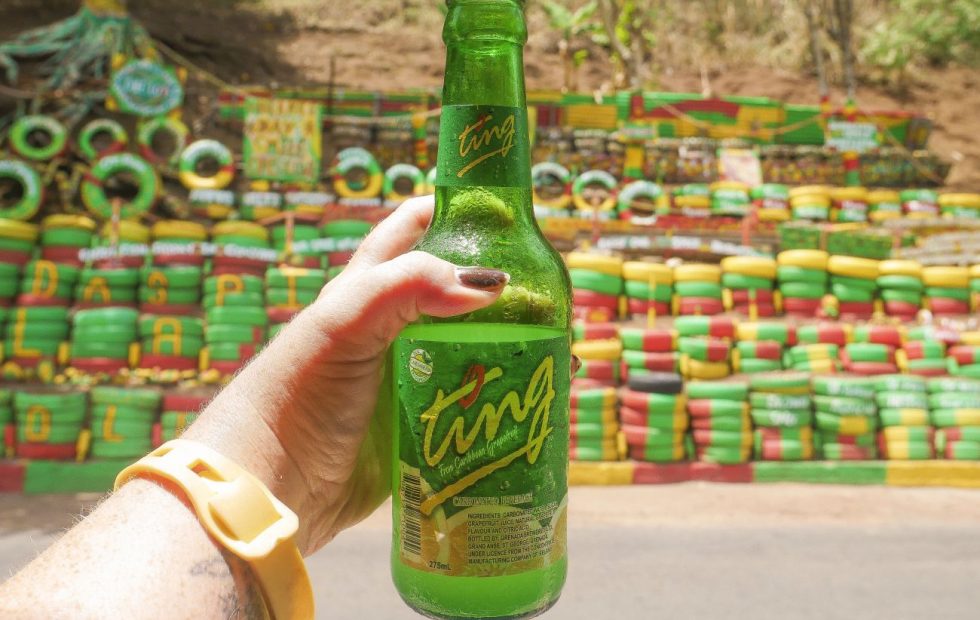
x: 411, y: 515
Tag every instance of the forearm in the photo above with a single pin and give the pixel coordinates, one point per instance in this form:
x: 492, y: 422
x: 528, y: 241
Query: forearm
x: 141, y: 554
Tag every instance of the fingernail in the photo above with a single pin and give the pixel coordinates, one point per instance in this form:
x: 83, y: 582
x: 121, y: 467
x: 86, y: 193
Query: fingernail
x: 482, y: 278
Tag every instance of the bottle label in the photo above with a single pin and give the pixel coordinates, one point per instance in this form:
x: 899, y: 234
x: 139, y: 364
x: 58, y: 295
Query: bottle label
x: 483, y: 454
x: 483, y: 145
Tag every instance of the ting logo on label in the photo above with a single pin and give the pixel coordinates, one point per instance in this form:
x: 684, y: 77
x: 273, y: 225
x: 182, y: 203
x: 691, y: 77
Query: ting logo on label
x: 485, y: 139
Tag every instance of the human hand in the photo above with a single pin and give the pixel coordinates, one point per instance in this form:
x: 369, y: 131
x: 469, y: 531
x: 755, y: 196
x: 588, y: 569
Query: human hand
x: 301, y: 416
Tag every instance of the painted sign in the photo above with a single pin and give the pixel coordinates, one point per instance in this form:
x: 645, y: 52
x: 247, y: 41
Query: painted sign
x: 282, y: 141
x: 144, y: 88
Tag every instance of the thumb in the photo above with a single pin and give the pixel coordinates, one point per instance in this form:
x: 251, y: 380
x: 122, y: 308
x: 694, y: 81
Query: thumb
x: 395, y: 293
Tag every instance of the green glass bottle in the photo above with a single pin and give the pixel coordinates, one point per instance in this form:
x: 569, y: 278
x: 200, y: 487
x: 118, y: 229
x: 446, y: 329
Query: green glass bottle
x: 481, y: 400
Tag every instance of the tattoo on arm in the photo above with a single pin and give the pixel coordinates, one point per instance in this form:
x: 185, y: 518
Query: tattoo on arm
x: 239, y: 595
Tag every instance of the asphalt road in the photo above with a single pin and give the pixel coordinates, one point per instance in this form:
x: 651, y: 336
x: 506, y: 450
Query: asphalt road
x: 686, y: 551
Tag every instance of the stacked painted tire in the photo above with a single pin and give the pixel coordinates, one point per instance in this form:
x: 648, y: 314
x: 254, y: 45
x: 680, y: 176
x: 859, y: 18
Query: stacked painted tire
x: 692, y: 200
x: 107, y: 287
x: 697, y: 290
x: 180, y: 241
x: 748, y: 285
x: 818, y: 347
x: 853, y: 283
x: 652, y: 411
x: 873, y: 350
x: 975, y: 287
x: 903, y: 407
x: 122, y: 422
x: 46, y: 283
x: 955, y: 411
x: 884, y: 204
x: 234, y: 334
x: 63, y: 236
x: 649, y: 286
x: 919, y: 203
x: 9, y: 283
x: 782, y: 411
x: 849, y: 204
x: 597, y: 283
x: 179, y: 412
x: 301, y: 233
x: 802, y: 276
x: 600, y: 356
x: 947, y: 290
x: 900, y: 284
x: 845, y: 418
x: 759, y: 346
x: 705, y: 344
x: 810, y: 202
x: 348, y: 234
x: 34, y: 335
x: 966, y: 206
x: 594, y: 424
x: 102, y: 339
x: 122, y: 233
x: 922, y: 354
x: 289, y: 289
x: 17, y: 240
x: 170, y: 342
x: 48, y: 424
x: 963, y: 360
x: 241, y: 235
x: 172, y: 289
x: 649, y: 350
x: 730, y: 198
x: 771, y: 202
x: 7, y: 423
x: 721, y: 428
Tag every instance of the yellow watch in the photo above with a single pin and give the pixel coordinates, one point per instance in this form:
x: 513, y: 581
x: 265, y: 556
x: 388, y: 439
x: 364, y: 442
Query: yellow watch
x: 242, y: 515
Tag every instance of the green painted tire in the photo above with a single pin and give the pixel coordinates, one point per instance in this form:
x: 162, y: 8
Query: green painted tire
x: 26, y: 125
x: 720, y: 390
x: 729, y: 424
x: 765, y: 400
x: 725, y: 455
x: 242, y: 241
x: 904, y: 417
x: 237, y: 315
x: 594, y: 281
x: 171, y: 295
x: 750, y: 366
x: 226, y: 352
x: 902, y: 400
x: 67, y: 274
x: 843, y: 386
x: 844, y: 406
x: 54, y: 314
x: 698, y: 289
x: 16, y: 245
x: 346, y: 228
x: 840, y: 423
x: 59, y: 433
x: 250, y: 284
x: 847, y: 294
x: 641, y: 290
x: 963, y: 451
x: 188, y: 326
x: 62, y: 291
x: 899, y: 383
x: 94, y: 197
x: 803, y: 275
x: 959, y: 294
x: 66, y: 237
x: 902, y: 283
x: 8, y: 288
x: 170, y: 419
x: 802, y: 290
x: 199, y: 150
x: 781, y: 382
x: 42, y: 330
x: 113, y: 277
x: 88, y: 133
x: 105, y: 317
x: 780, y: 418
x: 110, y: 333
x: 239, y: 334
x: 166, y: 277
x: 65, y: 401
x: 46, y: 347
x: 149, y: 129
x: 128, y: 397
x: 909, y: 297
x: 312, y: 279
x: 31, y: 190
x: 281, y: 297
x: 954, y: 400
x: 63, y: 417
x: 869, y: 352
x: 949, y: 384
x: 185, y: 346
x: 740, y: 281
x: 112, y: 350
x: 854, y: 283
x: 244, y: 300
x: 105, y: 450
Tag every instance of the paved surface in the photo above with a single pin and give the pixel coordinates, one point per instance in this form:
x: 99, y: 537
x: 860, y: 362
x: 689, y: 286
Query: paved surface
x: 693, y: 550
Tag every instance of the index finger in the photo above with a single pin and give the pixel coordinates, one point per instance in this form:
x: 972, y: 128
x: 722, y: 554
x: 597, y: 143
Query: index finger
x: 396, y: 234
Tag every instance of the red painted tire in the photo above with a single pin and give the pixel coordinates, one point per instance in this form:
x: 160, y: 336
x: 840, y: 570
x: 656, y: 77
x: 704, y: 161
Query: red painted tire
x: 602, y: 370
x: 901, y: 309
x: 184, y: 402
x: 170, y: 309
x: 228, y: 368
x: 593, y: 315
x: 882, y: 334
x: 591, y: 299
x: 642, y: 306
x: 15, y: 258
x: 165, y: 260
x: 239, y: 261
x: 338, y: 258
x: 801, y: 307
x: 588, y: 384
x: 281, y: 315
x: 46, y: 451
x: 871, y: 368
x: 595, y: 331
x: 168, y: 362
x: 67, y: 255
x: 943, y: 305
x: 659, y: 361
x: 700, y: 306
x: 26, y: 299
x: 121, y: 262
x: 743, y: 296
x: 85, y: 305
x: 646, y: 436
x: 859, y: 309
x: 761, y: 310
x: 96, y: 365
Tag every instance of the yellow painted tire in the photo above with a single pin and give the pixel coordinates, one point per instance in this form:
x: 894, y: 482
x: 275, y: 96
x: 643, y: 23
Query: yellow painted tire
x: 946, y: 277
x: 858, y: 194
x: 803, y: 190
x: 129, y: 232
x: 241, y: 229
x: 970, y: 201
x: 639, y: 271
x: 708, y: 371
x: 194, y: 153
x: 853, y: 267
x: 606, y: 350
x: 755, y: 266
x: 20, y: 231
x: 879, y: 196
x: 808, y: 259
x: 909, y: 268
x: 594, y: 177
x: 970, y: 338
x: 881, y: 216
x: 810, y: 200
x: 717, y: 185
x: 353, y: 158
x: 180, y: 229
x: 609, y: 265
x: 692, y: 202
x: 62, y: 220
x: 975, y: 272
x: 403, y: 171
x: 549, y: 168
x: 697, y: 272
x: 773, y: 215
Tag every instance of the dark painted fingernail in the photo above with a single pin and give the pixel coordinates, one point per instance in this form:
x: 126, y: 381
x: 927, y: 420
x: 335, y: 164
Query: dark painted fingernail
x: 576, y: 364
x: 482, y: 278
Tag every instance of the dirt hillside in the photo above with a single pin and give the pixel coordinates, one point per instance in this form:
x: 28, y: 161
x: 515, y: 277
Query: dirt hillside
x: 395, y: 44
